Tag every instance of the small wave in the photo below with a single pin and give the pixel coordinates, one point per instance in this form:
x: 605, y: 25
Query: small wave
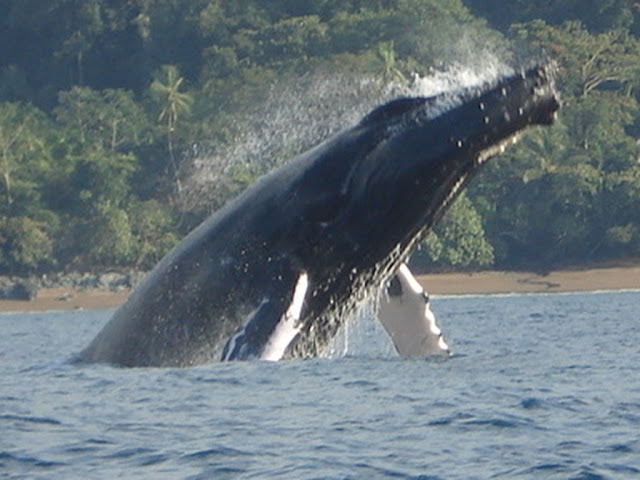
x: 361, y: 384
x: 629, y: 471
x: 29, y: 419
x: 47, y: 366
x: 209, y: 453
x: 219, y: 473
x: 494, y: 422
x: 531, y: 403
x: 217, y: 461
x: 152, y: 459
x: 545, y: 468
x: 10, y: 461
x: 588, y: 473
x: 618, y: 448
x: 129, y: 452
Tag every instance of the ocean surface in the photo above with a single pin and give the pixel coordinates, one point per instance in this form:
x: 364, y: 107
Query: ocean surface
x: 539, y: 386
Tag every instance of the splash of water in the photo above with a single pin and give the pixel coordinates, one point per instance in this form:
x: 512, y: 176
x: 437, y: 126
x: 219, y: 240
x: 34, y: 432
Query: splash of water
x: 296, y: 116
x: 363, y: 336
x: 302, y: 113
x: 455, y: 78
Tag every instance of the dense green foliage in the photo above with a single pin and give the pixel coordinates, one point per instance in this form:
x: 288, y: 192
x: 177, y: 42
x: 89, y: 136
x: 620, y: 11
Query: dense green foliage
x: 120, y: 121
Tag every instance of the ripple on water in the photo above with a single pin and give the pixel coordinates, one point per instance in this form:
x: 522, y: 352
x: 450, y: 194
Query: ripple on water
x: 26, y: 419
x: 531, y: 403
x: 518, y: 401
x: 12, y: 462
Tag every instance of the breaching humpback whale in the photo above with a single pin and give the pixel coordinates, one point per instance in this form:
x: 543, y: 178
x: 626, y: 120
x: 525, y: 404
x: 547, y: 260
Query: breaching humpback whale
x: 275, y: 272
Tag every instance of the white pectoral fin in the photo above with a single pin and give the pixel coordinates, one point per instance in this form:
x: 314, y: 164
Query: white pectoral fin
x: 289, y: 325
x: 405, y: 313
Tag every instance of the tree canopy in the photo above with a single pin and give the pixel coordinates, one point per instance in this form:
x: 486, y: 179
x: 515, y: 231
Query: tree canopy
x: 124, y: 123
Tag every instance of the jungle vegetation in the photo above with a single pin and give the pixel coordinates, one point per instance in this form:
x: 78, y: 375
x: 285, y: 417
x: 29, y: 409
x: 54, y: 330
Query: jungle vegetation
x: 123, y: 123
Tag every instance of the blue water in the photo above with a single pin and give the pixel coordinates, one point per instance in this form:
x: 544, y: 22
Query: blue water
x: 544, y: 386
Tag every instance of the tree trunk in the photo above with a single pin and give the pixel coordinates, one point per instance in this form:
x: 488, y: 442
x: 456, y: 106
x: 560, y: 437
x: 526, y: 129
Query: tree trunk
x: 172, y: 160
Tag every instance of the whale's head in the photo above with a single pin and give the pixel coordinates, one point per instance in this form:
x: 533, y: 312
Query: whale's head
x: 392, y: 176
x: 366, y: 196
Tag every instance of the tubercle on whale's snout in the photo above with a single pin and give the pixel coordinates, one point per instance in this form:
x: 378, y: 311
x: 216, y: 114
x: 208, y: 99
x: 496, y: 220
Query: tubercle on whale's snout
x: 525, y: 100
x: 519, y: 101
x: 544, y: 93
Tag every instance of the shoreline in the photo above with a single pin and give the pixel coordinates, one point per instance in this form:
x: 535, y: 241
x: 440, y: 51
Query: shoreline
x: 625, y: 277
x: 589, y: 279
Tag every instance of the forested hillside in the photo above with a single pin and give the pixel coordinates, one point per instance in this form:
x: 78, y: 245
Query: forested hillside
x: 124, y: 123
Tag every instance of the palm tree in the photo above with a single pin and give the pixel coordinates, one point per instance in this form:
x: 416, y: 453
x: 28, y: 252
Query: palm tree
x: 391, y: 73
x: 175, y: 103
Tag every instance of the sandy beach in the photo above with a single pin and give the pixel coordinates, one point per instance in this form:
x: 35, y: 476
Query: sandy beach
x: 492, y: 282
x: 486, y: 282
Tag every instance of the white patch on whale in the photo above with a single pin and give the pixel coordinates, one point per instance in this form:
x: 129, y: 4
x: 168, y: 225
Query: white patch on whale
x: 289, y: 325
